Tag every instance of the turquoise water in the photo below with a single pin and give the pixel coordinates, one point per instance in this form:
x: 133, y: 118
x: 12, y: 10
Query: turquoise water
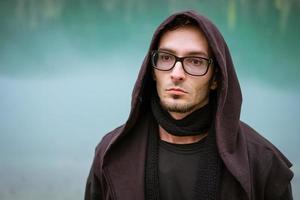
x: 67, y: 69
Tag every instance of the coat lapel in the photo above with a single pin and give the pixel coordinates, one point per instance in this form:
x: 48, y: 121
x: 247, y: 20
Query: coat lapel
x: 125, y: 168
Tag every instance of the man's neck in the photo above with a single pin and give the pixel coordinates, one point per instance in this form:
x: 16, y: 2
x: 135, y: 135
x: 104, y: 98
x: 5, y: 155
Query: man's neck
x: 179, y: 115
x: 167, y: 137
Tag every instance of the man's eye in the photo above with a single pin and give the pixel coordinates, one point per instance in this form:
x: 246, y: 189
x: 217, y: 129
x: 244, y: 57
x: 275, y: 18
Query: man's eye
x: 196, y: 61
x: 165, y: 57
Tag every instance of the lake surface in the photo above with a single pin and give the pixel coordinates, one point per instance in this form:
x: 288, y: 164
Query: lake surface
x: 67, y: 69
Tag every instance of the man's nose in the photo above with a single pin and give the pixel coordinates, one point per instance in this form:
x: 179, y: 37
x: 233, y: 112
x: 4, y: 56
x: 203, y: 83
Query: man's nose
x: 178, y: 73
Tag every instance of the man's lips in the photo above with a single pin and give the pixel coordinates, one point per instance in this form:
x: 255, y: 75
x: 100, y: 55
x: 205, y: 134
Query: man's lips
x: 176, y: 90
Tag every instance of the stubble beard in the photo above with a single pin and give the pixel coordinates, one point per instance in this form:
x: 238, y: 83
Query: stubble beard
x: 177, y: 107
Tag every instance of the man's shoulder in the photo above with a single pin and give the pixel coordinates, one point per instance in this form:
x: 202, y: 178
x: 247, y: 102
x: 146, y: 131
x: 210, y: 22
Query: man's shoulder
x: 260, y: 148
x: 253, y: 138
x: 107, y: 139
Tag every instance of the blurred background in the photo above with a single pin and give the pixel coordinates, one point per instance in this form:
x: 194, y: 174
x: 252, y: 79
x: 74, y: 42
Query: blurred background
x: 67, y: 69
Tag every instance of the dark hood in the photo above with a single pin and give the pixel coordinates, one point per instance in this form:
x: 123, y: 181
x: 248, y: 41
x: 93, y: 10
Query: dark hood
x: 230, y: 137
x: 229, y: 93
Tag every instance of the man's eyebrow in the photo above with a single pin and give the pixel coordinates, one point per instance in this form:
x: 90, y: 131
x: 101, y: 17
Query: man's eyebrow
x: 190, y: 53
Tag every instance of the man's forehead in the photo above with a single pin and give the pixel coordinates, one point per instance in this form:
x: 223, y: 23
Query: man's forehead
x: 187, y: 40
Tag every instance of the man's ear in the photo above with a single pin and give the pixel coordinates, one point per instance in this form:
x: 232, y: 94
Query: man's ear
x: 214, y: 82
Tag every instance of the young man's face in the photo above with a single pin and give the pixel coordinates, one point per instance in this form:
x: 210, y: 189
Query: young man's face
x: 179, y: 92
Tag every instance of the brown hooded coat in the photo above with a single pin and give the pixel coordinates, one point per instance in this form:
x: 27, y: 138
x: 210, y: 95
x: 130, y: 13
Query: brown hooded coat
x: 253, y: 168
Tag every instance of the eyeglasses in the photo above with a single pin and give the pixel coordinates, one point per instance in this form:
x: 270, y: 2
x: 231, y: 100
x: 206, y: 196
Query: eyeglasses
x: 193, y: 65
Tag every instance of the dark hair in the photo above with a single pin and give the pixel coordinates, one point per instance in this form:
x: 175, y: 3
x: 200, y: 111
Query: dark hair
x: 180, y: 21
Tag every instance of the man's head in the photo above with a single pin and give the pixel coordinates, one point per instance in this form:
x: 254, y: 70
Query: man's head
x: 187, y: 85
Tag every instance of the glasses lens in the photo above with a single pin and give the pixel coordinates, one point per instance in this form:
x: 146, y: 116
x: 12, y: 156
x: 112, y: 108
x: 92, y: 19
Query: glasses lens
x: 163, y: 61
x: 195, y: 65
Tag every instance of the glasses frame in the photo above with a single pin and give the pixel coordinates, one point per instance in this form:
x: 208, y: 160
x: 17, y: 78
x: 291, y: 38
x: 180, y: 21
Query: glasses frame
x: 180, y: 59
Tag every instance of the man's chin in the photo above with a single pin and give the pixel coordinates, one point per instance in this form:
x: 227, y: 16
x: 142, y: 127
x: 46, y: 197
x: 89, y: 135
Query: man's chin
x: 177, y: 106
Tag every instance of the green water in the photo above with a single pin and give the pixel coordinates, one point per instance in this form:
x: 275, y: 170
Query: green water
x: 67, y: 69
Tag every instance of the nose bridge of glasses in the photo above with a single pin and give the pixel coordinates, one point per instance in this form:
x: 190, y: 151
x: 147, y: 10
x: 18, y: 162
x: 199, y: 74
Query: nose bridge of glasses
x: 178, y: 67
x: 179, y: 59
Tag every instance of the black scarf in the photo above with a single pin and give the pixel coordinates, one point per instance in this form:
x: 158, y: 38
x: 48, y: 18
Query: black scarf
x: 208, y: 178
x: 196, y: 123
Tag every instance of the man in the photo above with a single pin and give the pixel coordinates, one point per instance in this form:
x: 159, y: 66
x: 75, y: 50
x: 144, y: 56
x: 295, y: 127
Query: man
x: 183, y: 138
